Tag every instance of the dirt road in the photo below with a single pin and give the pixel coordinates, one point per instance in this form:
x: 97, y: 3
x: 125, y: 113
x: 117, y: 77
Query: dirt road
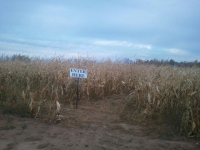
x: 91, y: 127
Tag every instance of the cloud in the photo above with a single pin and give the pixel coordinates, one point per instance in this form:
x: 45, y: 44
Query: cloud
x: 144, y: 46
x: 112, y: 43
x: 176, y: 51
x: 93, y: 48
x: 40, y: 48
x: 121, y: 43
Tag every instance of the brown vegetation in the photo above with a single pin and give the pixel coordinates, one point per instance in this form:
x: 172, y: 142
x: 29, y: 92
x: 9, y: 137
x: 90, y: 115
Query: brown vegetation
x: 158, y: 92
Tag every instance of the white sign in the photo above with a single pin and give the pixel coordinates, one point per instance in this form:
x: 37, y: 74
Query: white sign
x: 78, y: 73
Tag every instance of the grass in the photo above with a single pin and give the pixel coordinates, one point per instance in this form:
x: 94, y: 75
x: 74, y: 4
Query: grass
x: 11, y: 146
x: 7, y: 127
x: 157, y: 92
x: 33, y: 138
x: 24, y: 127
x: 42, y: 146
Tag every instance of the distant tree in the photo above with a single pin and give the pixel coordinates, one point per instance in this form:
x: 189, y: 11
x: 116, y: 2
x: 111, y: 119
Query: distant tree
x: 196, y: 63
x: 127, y: 61
x: 139, y: 61
x: 172, y: 62
x: 20, y: 57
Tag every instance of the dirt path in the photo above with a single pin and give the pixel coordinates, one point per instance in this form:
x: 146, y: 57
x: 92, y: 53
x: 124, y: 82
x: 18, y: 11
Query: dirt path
x: 91, y: 127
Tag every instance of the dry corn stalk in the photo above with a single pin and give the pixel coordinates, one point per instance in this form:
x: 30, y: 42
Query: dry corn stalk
x: 157, y: 90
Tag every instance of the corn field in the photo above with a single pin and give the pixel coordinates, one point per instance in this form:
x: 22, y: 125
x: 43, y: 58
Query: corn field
x: 153, y: 91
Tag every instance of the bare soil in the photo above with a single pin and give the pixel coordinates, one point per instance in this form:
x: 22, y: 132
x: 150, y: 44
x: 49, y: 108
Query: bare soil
x: 93, y: 126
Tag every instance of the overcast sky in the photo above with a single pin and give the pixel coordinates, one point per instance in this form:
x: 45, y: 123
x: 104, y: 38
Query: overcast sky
x: 135, y: 29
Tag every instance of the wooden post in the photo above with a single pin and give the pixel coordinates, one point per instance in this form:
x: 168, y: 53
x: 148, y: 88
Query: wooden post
x: 77, y: 93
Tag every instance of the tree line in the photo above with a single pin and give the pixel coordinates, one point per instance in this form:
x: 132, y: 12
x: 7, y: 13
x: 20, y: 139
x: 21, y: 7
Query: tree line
x: 156, y: 62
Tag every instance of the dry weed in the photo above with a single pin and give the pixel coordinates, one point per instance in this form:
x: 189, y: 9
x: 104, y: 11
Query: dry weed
x: 155, y: 91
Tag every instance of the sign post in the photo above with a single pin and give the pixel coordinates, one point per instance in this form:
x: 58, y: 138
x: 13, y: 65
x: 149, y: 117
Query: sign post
x: 77, y: 93
x: 78, y: 73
